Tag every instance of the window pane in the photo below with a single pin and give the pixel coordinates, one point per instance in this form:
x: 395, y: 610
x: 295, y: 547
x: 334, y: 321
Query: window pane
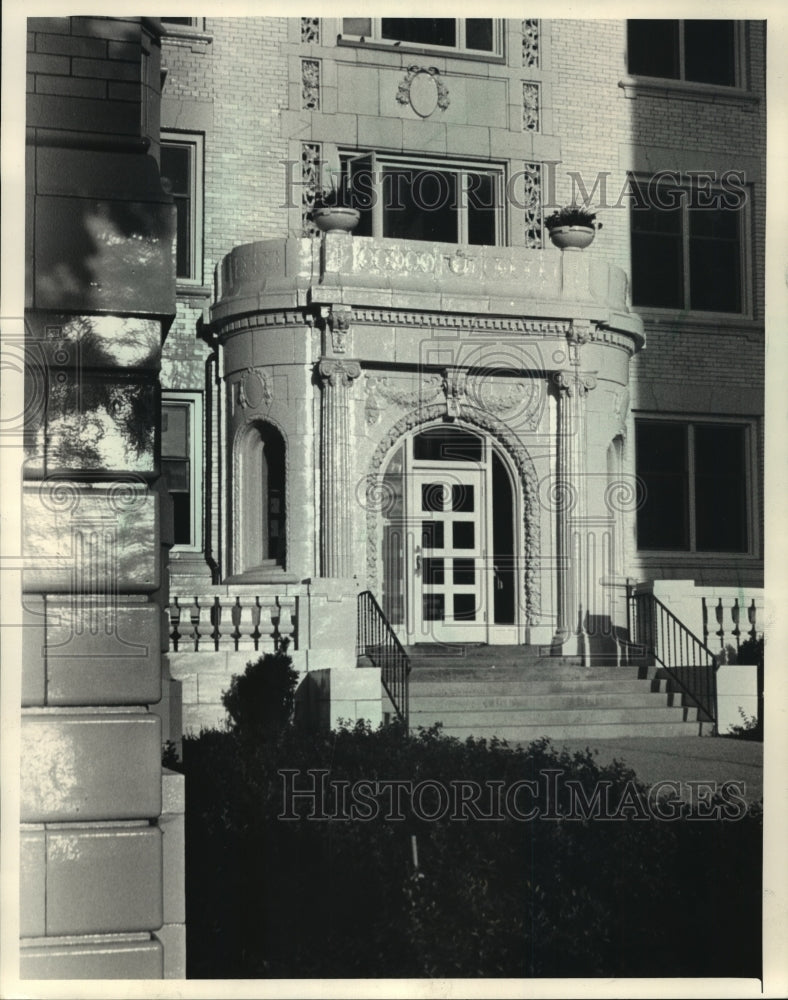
x: 421, y: 30
x: 481, y: 209
x: 715, y: 260
x: 176, y: 175
x: 465, y: 607
x: 432, y: 534
x: 720, y: 489
x: 657, y: 278
x: 462, y: 498
x: 420, y: 204
x: 653, y: 48
x: 447, y: 444
x: 175, y: 430
x: 181, y: 512
x: 479, y: 33
x: 433, y: 607
x: 177, y: 474
x: 434, y: 496
x: 176, y: 167
x: 661, y: 456
x: 463, y: 572
x: 433, y: 571
x: 463, y: 534
x: 709, y: 52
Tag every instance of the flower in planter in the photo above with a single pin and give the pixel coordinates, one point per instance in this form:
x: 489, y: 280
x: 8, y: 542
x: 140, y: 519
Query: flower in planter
x: 572, y: 215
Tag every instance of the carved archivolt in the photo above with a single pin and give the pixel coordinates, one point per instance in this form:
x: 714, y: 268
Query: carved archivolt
x: 517, y: 455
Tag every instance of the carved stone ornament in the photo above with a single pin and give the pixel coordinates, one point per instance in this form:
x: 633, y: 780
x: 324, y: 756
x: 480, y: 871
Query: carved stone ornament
x: 454, y: 386
x: 339, y: 373
x: 254, y: 389
x: 338, y: 321
x: 575, y: 383
x: 423, y: 90
x: 382, y: 391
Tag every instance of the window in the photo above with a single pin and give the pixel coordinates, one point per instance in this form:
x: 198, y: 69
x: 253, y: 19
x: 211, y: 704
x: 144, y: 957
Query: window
x: 180, y: 460
x: 688, y: 252
x: 426, y: 200
x: 181, y: 176
x: 696, y: 51
x: 695, y: 478
x: 474, y: 34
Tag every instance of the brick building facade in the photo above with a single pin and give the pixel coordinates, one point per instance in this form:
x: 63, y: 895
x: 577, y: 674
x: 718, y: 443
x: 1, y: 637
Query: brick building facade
x: 496, y: 438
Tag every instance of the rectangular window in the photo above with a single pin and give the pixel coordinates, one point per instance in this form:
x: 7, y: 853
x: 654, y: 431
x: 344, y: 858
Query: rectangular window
x: 181, y: 176
x: 426, y: 200
x: 687, y: 253
x: 473, y: 34
x: 696, y: 51
x: 695, y: 479
x: 180, y: 462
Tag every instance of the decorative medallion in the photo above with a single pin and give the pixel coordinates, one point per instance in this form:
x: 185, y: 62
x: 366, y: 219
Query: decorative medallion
x: 423, y: 90
x: 254, y: 389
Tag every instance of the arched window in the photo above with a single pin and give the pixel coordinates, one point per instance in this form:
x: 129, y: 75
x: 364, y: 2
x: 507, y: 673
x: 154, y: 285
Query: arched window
x: 260, y: 524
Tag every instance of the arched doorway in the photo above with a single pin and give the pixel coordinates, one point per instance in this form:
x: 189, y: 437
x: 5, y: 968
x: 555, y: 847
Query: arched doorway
x: 260, y: 500
x: 450, y: 539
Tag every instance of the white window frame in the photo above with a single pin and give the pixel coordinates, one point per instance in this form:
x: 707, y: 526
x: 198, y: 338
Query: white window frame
x: 195, y: 141
x: 739, y: 75
x: 379, y: 161
x: 194, y: 403
x: 746, y: 290
x: 750, y: 471
x: 376, y: 37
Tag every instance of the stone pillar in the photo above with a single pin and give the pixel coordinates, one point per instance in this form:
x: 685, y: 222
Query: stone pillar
x: 573, y: 387
x: 336, y: 542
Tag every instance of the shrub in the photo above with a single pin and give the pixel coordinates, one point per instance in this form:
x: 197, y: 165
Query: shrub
x: 276, y: 898
x: 260, y: 701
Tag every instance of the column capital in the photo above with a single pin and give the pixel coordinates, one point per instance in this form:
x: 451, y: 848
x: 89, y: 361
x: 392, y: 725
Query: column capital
x: 574, y: 383
x: 338, y: 372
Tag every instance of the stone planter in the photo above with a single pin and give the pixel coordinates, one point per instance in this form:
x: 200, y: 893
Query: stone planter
x: 572, y: 237
x: 334, y: 219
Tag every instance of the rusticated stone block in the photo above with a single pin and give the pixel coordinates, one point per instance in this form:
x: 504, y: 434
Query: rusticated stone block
x: 100, y: 766
x: 105, y: 880
x: 135, y: 957
x: 102, y: 655
x: 99, y: 537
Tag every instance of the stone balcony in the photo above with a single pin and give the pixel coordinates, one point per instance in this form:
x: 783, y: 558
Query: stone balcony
x: 393, y: 274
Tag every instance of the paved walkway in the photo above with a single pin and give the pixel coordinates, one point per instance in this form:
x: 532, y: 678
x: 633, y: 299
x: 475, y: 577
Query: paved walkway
x: 682, y: 758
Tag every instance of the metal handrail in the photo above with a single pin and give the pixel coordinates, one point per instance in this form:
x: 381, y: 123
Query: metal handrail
x: 689, y: 662
x: 377, y: 641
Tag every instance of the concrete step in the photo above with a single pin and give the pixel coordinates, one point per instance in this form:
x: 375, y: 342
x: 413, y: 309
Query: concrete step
x: 448, y: 687
x: 532, y: 702
x: 589, y: 731
x: 550, y: 718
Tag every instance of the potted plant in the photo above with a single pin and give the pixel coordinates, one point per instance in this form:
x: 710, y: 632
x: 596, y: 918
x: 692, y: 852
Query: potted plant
x: 572, y: 227
x: 332, y: 211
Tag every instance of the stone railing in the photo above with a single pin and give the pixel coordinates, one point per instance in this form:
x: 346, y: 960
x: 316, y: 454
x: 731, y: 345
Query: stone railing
x: 729, y: 621
x: 232, y: 622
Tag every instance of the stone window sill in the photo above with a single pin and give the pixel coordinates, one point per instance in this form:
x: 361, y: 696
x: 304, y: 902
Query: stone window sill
x: 708, y: 93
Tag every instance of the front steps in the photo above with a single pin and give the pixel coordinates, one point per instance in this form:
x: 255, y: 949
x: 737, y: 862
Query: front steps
x: 516, y: 693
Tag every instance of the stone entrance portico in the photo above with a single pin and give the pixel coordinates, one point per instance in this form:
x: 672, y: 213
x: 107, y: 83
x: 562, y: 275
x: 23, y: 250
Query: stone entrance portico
x: 349, y: 346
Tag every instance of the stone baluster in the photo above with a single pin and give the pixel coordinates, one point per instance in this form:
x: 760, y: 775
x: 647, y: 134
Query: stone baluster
x: 174, y: 615
x: 573, y: 388
x: 197, y: 631
x: 335, y: 523
x: 269, y: 618
x: 287, y: 621
x: 245, y: 618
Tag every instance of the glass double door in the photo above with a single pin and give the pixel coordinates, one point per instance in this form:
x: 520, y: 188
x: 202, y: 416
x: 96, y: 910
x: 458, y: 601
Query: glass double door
x: 447, y: 514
